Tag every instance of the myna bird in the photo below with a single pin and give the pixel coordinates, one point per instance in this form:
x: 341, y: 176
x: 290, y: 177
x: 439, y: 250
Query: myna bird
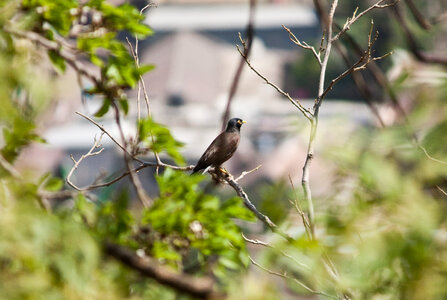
x: 222, y: 148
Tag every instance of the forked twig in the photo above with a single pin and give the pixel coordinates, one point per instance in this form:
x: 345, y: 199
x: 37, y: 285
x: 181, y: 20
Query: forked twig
x: 296, y: 103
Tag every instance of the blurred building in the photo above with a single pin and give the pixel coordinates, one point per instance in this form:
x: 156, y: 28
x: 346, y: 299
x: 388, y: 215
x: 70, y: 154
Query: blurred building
x: 194, y: 51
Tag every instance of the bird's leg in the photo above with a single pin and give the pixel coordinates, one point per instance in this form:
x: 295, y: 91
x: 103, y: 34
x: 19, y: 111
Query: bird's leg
x: 224, y: 171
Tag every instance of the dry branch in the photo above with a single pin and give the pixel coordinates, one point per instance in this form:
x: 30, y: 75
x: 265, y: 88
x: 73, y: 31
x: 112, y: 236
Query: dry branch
x: 286, y: 276
x: 263, y: 218
x: 296, y: 103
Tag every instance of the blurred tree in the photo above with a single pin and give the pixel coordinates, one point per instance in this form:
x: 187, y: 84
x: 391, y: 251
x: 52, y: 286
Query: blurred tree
x: 381, y: 232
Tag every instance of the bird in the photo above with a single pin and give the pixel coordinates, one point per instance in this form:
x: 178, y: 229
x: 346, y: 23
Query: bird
x: 221, y: 148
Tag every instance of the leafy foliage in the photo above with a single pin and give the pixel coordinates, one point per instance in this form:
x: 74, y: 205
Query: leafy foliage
x: 158, y: 138
x: 196, y: 224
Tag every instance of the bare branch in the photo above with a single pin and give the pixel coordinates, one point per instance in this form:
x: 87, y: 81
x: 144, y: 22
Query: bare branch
x: 198, y: 287
x: 303, y: 45
x: 243, y: 174
x: 422, y: 21
x: 361, y: 63
x: 296, y: 103
x: 441, y: 190
x: 264, y: 244
x: 256, y: 242
x: 412, y: 43
x: 266, y: 220
x: 145, y: 200
x: 284, y: 275
x: 96, y: 145
x: 360, y: 82
x: 355, y: 17
x: 109, y: 135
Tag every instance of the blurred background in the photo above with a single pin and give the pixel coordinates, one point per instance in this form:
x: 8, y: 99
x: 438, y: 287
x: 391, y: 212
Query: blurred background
x: 194, y: 53
x: 378, y: 177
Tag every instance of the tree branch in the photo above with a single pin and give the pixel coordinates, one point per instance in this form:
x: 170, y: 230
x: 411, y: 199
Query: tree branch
x: 412, y: 43
x: 296, y: 103
x: 284, y: 275
x: 202, y: 288
x: 355, y: 17
x: 249, y: 32
x: 263, y: 218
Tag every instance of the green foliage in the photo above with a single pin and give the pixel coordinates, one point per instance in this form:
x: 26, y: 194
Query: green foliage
x: 158, y: 138
x: 196, y: 224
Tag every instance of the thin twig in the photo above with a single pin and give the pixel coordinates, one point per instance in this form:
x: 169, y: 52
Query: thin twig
x: 265, y: 244
x: 284, y: 275
x: 356, y: 16
x: 300, y: 211
x: 263, y: 218
x: 303, y: 44
x: 421, y: 20
x: 249, y: 32
x: 296, y: 103
x: 145, y: 200
x: 441, y: 190
x: 96, y: 145
x: 109, y: 135
x: 412, y: 43
x: 243, y: 174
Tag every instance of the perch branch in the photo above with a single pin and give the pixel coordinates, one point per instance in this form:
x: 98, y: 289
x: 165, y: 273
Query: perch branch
x: 263, y: 218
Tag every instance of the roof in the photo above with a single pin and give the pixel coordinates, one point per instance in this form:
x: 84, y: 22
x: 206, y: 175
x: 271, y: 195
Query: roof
x: 228, y: 16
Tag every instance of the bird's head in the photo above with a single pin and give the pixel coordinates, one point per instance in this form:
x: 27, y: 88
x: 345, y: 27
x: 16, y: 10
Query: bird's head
x: 235, y: 124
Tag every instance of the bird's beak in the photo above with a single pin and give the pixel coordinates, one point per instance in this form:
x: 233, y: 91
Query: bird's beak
x: 243, y: 122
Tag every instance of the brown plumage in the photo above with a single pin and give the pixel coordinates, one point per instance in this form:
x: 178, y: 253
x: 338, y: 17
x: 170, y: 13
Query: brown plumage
x: 222, y: 148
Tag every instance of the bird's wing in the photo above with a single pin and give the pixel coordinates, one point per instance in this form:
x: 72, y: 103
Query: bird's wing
x: 207, y: 157
x: 219, y: 151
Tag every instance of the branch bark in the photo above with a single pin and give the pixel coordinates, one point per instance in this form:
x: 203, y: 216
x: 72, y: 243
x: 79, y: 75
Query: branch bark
x: 202, y: 288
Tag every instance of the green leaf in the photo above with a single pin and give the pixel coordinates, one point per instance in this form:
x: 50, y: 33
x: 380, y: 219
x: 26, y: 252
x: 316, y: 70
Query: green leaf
x: 124, y: 105
x: 158, y: 138
x: 57, y: 60
x: 104, y: 109
x: 145, y: 68
x: 54, y: 184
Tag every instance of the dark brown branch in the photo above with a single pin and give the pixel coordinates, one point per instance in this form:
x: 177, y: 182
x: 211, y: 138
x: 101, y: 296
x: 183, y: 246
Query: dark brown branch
x: 361, y: 64
x: 412, y: 43
x: 249, y: 32
x: 202, y: 288
x: 419, y: 17
x: 145, y: 200
x: 361, y: 85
